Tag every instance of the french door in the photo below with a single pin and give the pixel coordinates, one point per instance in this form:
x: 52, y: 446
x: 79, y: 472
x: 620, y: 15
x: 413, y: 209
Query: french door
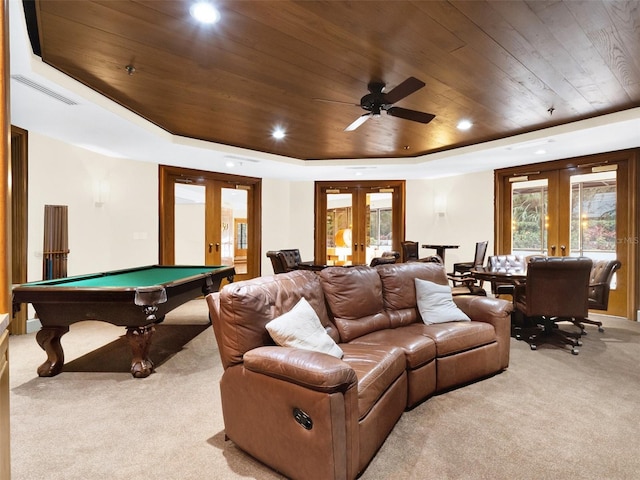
x: 572, y: 208
x: 357, y: 221
x: 209, y: 219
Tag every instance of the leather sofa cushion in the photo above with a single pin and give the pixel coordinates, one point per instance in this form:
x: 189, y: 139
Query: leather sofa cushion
x: 247, y: 306
x: 376, y: 367
x: 354, y: 296
x: 455, y: 337
x: 399, y: 290
x: 418, y: 349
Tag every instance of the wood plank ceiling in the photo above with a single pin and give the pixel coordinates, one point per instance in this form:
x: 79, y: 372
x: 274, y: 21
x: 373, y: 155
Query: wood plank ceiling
x: 507, y: 66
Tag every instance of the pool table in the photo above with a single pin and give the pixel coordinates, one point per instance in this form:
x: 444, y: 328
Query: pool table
x: 135, y: 298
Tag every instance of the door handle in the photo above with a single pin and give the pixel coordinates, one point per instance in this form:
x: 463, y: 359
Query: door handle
x: 553, y: 250
x: 563, y: 248
x: 210, y: 247
x: 217, y: 247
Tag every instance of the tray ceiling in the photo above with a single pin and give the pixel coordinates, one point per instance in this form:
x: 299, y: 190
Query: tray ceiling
x: 509, y: 67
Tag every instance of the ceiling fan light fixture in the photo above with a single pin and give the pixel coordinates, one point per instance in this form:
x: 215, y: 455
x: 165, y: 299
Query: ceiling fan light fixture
x: 204, y: 12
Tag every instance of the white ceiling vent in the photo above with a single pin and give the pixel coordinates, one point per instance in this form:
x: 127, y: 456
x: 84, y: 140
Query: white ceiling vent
x: 41, y: 88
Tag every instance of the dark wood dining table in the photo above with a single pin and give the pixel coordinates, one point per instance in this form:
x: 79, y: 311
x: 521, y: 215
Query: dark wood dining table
x: 501, y: 275
x: 440, y: 249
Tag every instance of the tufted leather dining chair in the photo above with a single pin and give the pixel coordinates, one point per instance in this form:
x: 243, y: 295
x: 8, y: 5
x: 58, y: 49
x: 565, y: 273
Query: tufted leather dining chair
x: 505, y: 263
x: 285, y: 260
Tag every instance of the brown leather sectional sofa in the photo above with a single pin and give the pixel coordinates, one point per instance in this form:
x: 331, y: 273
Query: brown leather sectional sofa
x: 310, y: 415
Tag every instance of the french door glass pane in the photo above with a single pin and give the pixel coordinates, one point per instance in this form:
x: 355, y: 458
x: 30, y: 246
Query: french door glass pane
x: 189, y: 224
x: 593, y: 215
x: 339, y: 224
x: 234, y: 229
x: 529, y: 217
x: 379, y: 238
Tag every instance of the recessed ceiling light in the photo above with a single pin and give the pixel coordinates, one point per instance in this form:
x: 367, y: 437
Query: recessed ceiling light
x: 278, y: 133
x: 204, y: 12
x: 464, y: 125
x: 541, y: 151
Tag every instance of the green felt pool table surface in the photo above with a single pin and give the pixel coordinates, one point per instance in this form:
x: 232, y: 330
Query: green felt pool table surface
x: 129, y: 278
x: 135, y: 298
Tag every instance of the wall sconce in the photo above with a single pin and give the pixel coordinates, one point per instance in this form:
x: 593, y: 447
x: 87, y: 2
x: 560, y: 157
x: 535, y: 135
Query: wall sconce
x: 101, y: 193
x: 440, y: 205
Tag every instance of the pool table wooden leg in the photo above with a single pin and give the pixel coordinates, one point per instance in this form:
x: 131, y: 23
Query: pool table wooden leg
x: 49, y: 340
x: 140, y: 342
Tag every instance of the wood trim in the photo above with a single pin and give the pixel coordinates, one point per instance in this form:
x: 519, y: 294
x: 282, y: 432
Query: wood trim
x: 19, y: 218
x: 167, y: 177
x: 5, y: 166
x: 5, y: 245
x: 320, y: 209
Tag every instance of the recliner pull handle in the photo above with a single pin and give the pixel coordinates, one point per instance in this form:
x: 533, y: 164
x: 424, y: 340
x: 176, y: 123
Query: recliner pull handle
x: 303, y: 419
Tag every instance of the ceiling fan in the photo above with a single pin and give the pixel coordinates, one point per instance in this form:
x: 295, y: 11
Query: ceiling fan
x: 377, y: 100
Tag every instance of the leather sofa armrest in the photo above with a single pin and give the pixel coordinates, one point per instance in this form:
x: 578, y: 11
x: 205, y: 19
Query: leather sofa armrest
x: 314, y: 370
x: 484, y: 309
x: 495, y: 311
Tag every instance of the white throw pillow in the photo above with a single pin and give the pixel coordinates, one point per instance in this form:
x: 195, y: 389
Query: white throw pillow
x: 301, y: 328
x: 435, y: 303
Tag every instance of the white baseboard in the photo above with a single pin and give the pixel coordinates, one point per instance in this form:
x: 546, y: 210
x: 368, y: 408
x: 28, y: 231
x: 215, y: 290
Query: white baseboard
x: 33, y: 325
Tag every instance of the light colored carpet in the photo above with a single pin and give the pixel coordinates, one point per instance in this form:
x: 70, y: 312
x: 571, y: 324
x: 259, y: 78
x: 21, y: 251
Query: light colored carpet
x: 551, y: 415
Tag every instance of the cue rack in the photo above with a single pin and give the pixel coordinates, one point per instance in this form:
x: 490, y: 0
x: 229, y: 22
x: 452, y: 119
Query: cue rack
x: 56, y: 242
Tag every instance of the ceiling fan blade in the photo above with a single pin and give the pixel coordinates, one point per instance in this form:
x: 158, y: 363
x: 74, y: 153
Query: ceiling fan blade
x: 359, y: 121
x: 412, y: 115
x: 326, y: 100
x: 405, y: 89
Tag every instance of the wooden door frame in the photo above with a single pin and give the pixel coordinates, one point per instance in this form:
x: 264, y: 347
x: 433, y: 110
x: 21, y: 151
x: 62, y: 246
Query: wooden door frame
x: 320, y: 209
x: 19, y: 218
x: 628, y: 181
x: 166, y: 199
x: 5, y: 246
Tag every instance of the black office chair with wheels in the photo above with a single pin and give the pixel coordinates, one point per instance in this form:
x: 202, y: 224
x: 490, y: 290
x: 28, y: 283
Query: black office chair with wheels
x: 599, y: 287
x: 556, y: 290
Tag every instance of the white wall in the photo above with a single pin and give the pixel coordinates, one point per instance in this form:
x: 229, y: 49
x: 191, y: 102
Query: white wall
x: 123, y: 232
x: 468, y: 216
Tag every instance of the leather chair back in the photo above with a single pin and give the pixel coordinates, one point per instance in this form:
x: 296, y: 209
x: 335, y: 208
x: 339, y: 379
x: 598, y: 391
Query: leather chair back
x: 409, y: 251
x: 556, y: 287
x: 506, y: 263
x: 600, y: 283
x: 383, y: 260
x: 277, y: 261
x: 481, y: 253
x: 284, y: 260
